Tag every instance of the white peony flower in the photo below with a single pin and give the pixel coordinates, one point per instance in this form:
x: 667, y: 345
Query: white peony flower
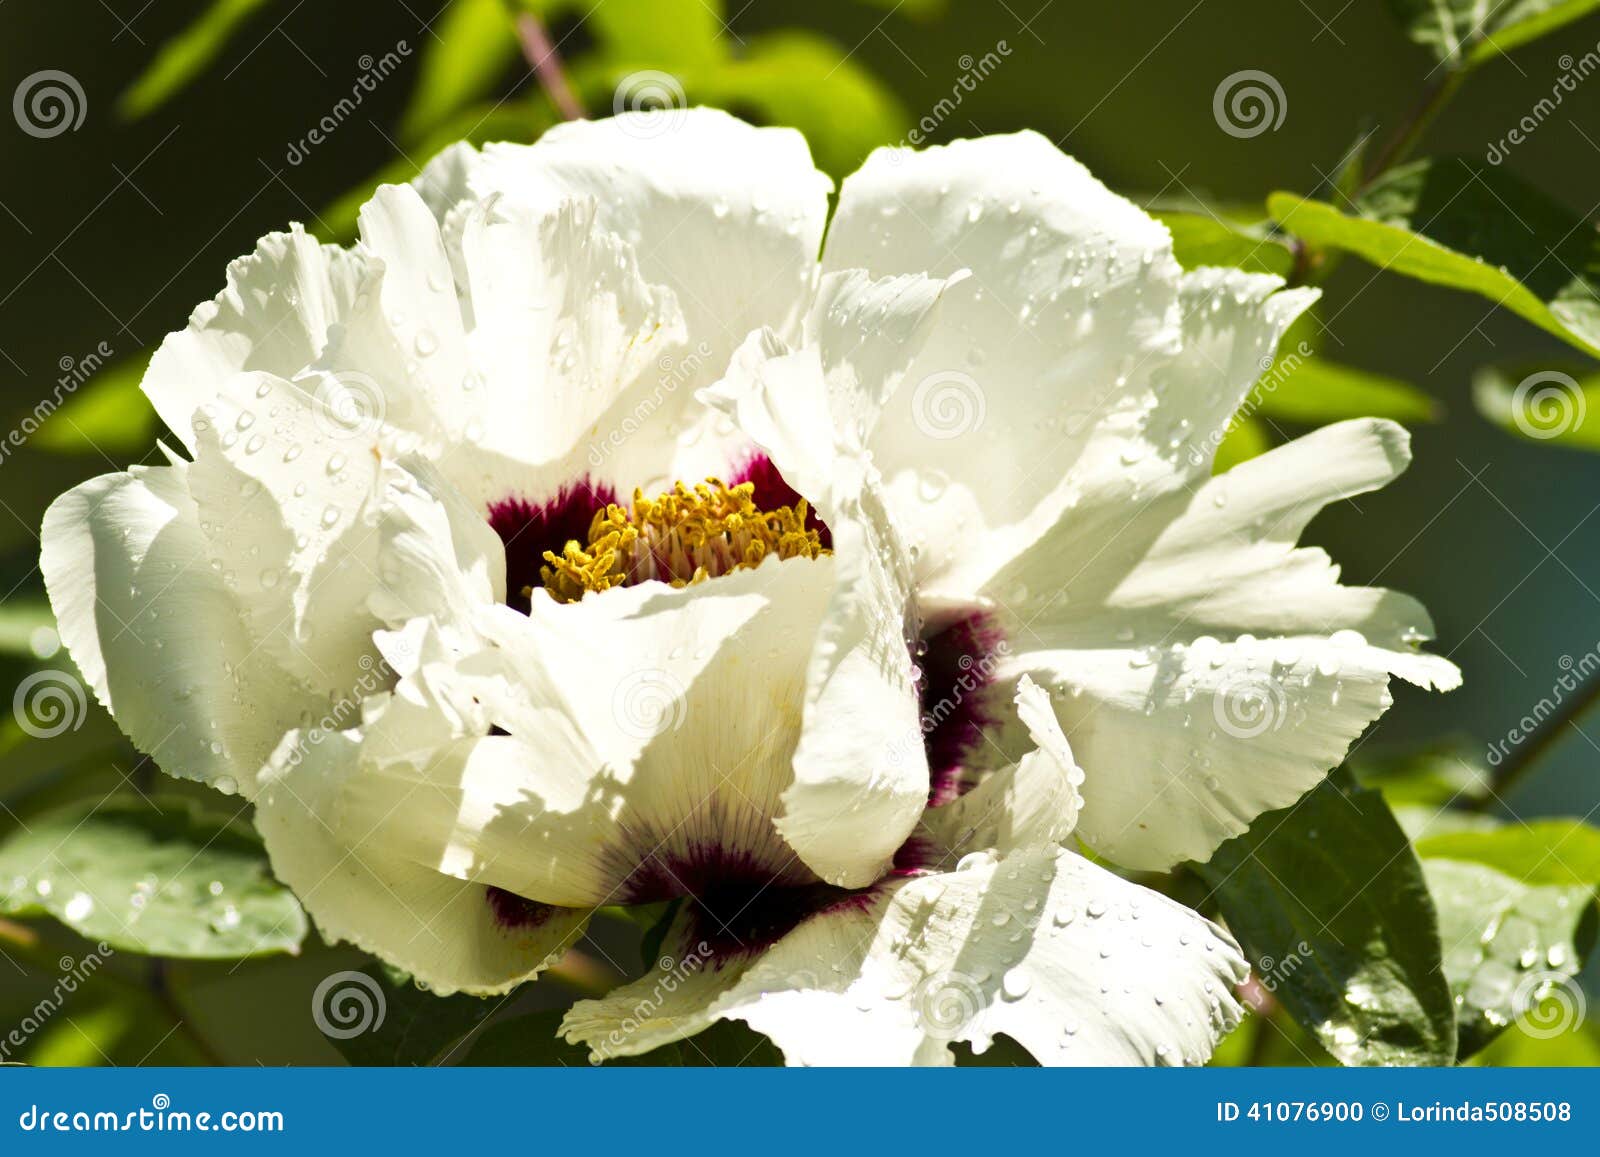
x: 439, y: 589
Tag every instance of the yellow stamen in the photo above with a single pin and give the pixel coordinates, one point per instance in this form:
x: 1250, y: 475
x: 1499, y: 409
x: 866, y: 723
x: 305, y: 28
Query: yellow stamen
x: 680, y: 537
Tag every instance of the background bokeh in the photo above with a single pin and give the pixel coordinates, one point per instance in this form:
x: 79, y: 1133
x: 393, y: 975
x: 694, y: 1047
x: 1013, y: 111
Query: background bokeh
x: 113, y: 232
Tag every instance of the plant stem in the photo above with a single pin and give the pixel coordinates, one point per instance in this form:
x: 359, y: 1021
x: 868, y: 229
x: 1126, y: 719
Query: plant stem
x: 1525, y: 757
x: 546, y: 62
x: 1399, y: 145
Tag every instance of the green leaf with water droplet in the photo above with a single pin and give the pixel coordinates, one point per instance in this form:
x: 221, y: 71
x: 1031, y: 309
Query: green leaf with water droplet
x: 1507, y: 945
x: 1465, y: 33
x: 157, y: 876
x: 1330, y: 905
x: 1465, y: 225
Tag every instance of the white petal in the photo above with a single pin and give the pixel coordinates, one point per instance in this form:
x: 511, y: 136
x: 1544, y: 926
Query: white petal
x: 158, y: 635
x: 1187, y: 723
x: 644, y: 727
x: 1034, y: 801
x: 274, y: 316
x: 1072, y: 297
x: 565, y: 325
x: 1078, y: 966
x: 727, y: 216
x: 283, y: 495
x: 444, y: 931
x: 436, y: 557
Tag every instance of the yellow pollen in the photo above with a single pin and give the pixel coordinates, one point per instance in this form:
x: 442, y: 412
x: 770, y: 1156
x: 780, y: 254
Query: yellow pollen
x: 683, y: 536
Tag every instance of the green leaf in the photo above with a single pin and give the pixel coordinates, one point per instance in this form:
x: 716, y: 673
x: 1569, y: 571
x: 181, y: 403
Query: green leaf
x: 159, y: 878
x: 1453, y: 222
x: 26, y: 625
x: 1433, y: 776
x: 1465, y: 33
x: 1316, y: 391
x: 416, y: 1026
x: 1504, y: 940
x: 669, y: 35
x: 183, y: 58
x: 1558, y: 406
x: 1558, y: 851
x: 1198, y: 239
x: 108, y: 414
x: 810, y: 83
x: 472, y: 44
x: 1331, y: 907
x: 1246, y: 438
